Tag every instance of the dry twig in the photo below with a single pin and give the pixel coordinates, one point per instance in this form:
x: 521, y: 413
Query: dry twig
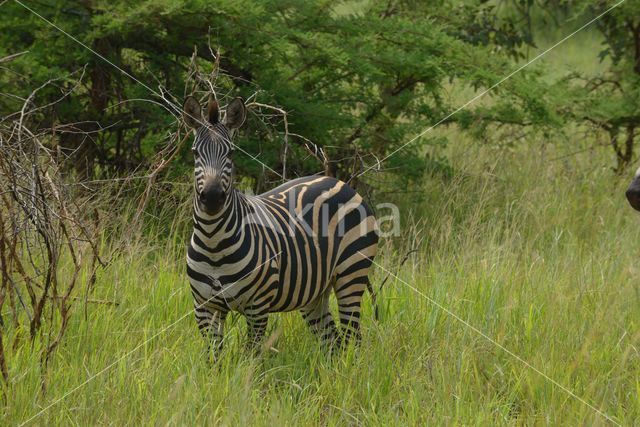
x: 47, y: 241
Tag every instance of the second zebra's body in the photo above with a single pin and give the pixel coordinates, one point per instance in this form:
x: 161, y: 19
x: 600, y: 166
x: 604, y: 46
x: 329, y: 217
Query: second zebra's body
x: 287, y: 249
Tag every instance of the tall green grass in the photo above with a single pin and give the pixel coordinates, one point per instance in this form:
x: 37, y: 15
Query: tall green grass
x: 532, y: 244
x: 537, y: 251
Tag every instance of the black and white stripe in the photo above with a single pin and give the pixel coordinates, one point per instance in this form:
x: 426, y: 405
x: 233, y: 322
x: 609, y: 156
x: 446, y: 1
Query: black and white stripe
x: 319, y: 234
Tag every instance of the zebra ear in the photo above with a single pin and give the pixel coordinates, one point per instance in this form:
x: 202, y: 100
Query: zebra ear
x: 192, y: 112
x: 236, y: 113
x: 213, y: 112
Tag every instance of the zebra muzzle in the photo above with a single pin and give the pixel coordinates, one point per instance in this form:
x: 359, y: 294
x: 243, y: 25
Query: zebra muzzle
x: 212, y: 197
x: 633, y: 196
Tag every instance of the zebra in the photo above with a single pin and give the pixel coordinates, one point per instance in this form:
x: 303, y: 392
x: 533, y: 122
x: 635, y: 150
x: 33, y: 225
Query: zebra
x: 633, y: 191
x: 283, y: 250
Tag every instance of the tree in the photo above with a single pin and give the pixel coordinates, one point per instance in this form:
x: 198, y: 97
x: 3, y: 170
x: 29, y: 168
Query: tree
x: 358, y: 79
x: 613, y: 101
x: 609, y: 101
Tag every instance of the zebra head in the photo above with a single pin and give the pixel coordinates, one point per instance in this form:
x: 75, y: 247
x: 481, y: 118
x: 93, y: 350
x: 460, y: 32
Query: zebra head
x: 633, y: 192
x: 212, y: 148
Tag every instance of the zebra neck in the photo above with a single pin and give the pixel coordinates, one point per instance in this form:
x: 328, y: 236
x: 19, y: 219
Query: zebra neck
x: 224, y: 228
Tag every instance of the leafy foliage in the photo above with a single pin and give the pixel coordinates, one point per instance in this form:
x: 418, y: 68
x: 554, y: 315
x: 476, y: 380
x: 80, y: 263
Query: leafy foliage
x: 610, y: 101
x: 357, y: 78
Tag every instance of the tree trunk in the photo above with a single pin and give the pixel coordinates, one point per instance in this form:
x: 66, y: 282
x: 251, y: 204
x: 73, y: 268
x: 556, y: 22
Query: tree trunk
x: 624, y: 154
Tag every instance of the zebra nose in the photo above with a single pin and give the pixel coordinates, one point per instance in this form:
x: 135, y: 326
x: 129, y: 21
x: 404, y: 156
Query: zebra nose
x: 633, y: 196
x: 211, y: 197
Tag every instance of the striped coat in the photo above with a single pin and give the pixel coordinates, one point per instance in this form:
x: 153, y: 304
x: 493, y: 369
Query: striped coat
x: 287, y: 249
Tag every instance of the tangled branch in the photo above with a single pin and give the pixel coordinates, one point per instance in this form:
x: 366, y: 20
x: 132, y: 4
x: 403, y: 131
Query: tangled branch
x: 48, y: 239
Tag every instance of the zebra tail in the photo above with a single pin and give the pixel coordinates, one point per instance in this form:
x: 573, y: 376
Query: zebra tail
x: 374, y: 300
x: 374, y: 297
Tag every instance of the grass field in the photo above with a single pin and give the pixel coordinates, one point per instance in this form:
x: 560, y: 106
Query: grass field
x: 530, y: 248
x: 538, y: 254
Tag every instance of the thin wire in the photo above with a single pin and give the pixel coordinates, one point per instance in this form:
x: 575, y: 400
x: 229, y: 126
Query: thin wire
x: 87, y: 381
x: 497, y: 344
x: 420, y: 135
x: 177, y: 110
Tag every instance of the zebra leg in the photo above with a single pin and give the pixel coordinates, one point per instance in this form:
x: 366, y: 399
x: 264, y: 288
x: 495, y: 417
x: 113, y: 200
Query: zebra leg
x: 318, y: 317
x: 256, y: 327
x: 211, y: 325
x: 349, y: 291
